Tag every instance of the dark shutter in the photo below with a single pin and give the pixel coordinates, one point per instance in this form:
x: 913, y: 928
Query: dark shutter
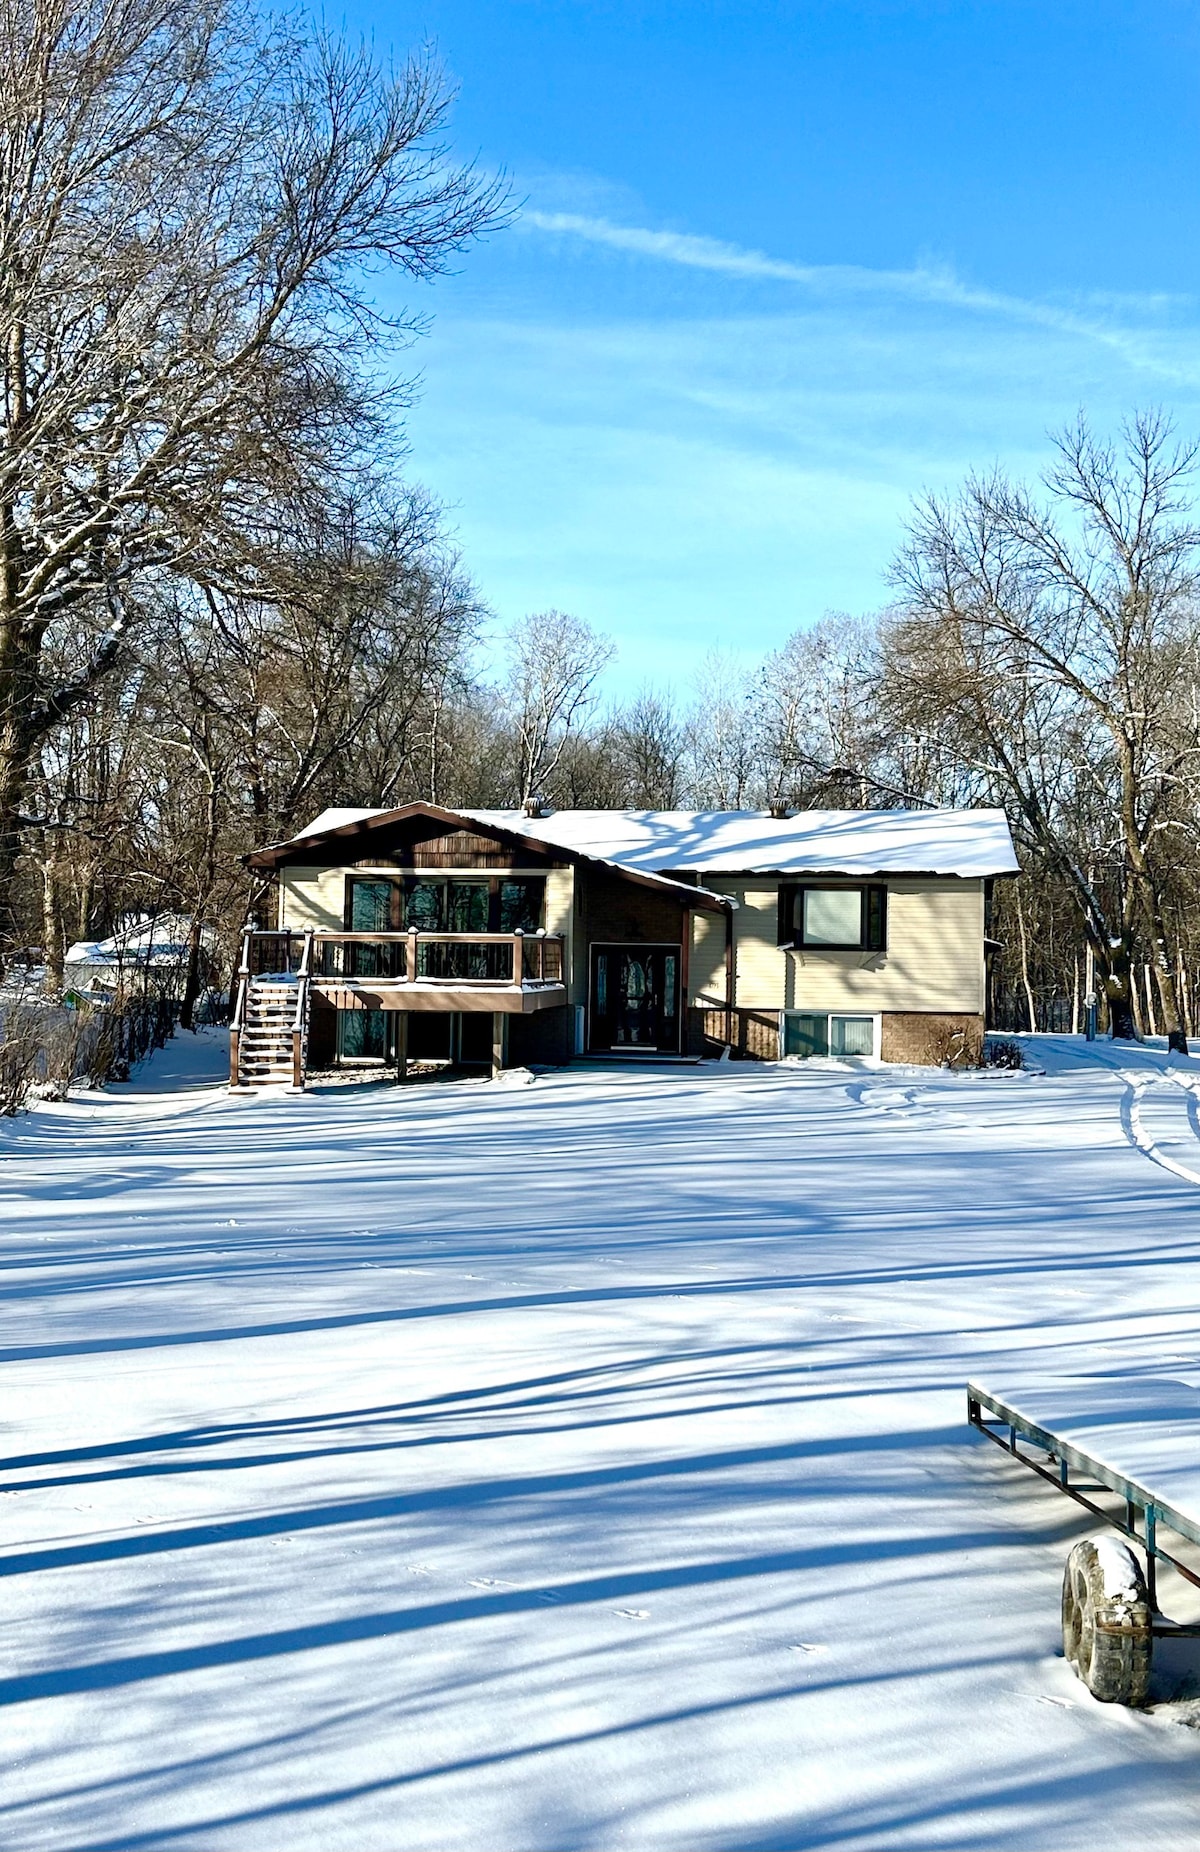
x: 786, y: 934
x: 875, y: 922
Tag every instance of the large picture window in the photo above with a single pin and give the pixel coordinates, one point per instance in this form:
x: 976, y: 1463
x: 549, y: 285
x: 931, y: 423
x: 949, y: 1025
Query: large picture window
x: 833, y: 919
x: 441, y: 903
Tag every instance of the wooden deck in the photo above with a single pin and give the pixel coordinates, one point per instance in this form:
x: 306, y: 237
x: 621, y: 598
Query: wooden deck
x: 282, y: 972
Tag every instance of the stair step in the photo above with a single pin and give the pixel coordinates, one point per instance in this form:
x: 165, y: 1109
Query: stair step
x: 266, y: 1044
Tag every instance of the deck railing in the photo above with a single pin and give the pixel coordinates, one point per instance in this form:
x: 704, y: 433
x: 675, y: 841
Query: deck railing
x: 408, y: 957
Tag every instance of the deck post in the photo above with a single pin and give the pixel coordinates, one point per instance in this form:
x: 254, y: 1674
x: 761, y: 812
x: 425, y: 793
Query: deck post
x: 401, y: 1047
x: 499, y: 1041
x: 730, y: 1039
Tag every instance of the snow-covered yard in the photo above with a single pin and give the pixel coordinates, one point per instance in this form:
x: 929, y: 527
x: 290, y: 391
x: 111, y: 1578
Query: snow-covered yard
x: 507, y: 1469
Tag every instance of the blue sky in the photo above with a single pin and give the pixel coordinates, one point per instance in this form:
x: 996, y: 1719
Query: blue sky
x: 781, y: 268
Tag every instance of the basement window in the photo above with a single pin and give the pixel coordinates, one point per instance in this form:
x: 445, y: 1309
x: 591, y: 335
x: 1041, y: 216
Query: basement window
x: 841, y: 1035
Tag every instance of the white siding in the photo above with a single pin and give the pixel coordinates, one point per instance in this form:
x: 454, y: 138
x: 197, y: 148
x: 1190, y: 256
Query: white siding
x: 934, y: 959
x: 313, y: 897
x: 706, y: 974
x: 560, y: 918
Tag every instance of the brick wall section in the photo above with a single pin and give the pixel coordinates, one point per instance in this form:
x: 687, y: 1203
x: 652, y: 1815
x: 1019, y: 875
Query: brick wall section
x: 622, y: 913
x: 322, y: 1033
x: 923, y: 1038
x: 546, y: 1037
x: 928, y: 1039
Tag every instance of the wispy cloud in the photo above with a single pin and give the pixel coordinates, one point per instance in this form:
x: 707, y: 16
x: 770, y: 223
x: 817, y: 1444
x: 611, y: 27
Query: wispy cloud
x: 923, y: 283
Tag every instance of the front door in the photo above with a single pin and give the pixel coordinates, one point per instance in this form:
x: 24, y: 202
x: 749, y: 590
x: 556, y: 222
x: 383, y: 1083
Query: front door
x: 635, y: 998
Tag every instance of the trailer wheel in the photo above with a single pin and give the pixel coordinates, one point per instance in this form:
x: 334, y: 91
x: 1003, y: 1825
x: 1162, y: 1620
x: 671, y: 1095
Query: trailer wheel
x: 1106, y: 1620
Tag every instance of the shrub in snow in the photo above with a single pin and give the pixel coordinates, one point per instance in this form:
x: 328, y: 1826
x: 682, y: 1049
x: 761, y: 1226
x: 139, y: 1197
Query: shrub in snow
x: 999, y: 1053
x: 20, y: 1056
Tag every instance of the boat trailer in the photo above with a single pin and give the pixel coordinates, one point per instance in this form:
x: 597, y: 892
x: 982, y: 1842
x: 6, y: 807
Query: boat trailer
x: 1110, y: 1612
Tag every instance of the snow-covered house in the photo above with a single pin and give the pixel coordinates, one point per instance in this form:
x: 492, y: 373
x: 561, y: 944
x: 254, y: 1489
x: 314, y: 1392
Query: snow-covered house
x: 508, y: 937
x: 145, y: 953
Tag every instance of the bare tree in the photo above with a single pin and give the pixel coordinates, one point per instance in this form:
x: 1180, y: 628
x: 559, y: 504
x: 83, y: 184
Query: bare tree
x: 553, y: 663
x: 1053, y: 645
x: 723, y: 769
x: 646, y: 739
x: 190, y: 205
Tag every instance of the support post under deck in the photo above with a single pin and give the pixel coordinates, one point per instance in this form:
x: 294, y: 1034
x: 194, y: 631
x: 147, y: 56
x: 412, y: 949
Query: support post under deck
x: 499, y: 1041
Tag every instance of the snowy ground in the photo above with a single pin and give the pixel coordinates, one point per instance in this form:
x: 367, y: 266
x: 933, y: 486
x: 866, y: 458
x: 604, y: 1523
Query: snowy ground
x: 580, y: 1465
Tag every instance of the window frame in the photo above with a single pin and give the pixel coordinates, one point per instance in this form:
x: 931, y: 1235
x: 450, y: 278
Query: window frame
x: 873, y: 920
x: 444, y: 879
x: 874, y: 1017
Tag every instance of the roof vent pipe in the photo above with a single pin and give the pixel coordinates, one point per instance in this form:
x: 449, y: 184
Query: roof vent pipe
x: 780, y: 811
x: 533, y: 807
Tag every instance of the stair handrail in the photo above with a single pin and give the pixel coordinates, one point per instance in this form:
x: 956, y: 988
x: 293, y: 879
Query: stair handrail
x: 237, y: 1021
x: 300, y: 1016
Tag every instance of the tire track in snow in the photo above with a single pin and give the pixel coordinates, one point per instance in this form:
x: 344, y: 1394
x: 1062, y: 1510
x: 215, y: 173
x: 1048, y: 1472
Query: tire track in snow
x: 889, y: 1100
x: 1139, y: 1089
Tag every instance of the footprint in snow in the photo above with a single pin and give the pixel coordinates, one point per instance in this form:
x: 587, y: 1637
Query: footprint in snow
x: 1060, y: 1704
x: 632, y: 1613
x: 802, y: 1646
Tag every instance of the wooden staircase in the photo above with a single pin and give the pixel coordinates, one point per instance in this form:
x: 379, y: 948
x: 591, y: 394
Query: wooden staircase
x: 269, y: 1031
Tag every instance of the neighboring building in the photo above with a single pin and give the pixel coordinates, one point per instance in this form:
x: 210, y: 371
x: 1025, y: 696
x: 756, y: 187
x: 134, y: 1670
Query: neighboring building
x: 145, y: 953
x: 502, y: 937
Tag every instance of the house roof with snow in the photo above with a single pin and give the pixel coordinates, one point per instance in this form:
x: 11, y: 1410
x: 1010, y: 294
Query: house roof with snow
x: 345, y: 828
x: 877, y: 842
x: 143, y: 941
x: 964, y: 843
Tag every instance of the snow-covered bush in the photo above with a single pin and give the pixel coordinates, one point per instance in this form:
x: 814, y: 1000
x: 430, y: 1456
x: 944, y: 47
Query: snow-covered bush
x: 20, y: 1055
x: 46, y: 1048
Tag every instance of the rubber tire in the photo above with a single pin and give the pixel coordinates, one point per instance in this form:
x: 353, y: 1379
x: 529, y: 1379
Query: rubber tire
x: 1107, y: 1642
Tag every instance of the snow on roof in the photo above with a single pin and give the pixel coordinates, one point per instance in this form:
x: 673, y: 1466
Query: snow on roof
x: 161, y: 941
x: 853, y: 842
x: 334, y: 819
x: 969, y: 843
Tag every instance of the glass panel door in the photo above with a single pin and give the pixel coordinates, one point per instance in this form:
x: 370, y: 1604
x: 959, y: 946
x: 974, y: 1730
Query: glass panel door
x: 370, y: 911
x: 635, y: 998
x: 423, y: 906
x: 520, y: 906
x: 466, y: 906
x: 466, y: 911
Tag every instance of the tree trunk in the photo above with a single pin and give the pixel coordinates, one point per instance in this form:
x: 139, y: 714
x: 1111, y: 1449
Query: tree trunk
x: 1183, y: 991
x: 191, y: 983
x: 52, y: 917
x: 1025, y: 961
x: 1117, y: 983
x: 1168, y: 991
x: 12, y: 785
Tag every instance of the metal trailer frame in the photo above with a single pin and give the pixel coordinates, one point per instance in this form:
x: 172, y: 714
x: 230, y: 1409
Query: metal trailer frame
x: 1140, y: 1503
